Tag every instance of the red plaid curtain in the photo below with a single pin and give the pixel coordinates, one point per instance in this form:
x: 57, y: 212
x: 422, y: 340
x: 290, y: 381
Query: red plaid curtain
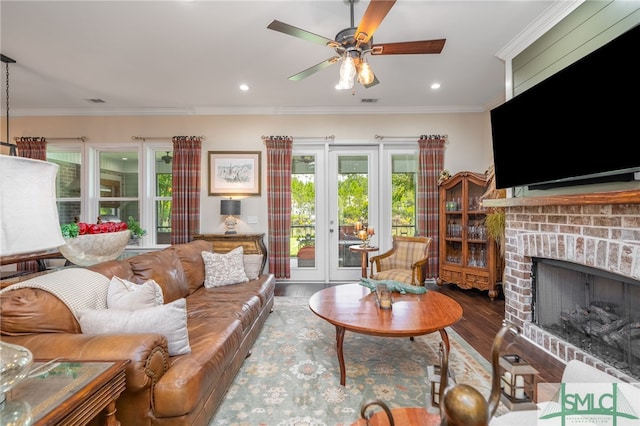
x: 279, y: 155
x: 430, y: 164
x: 185, y: 194
x: 35, y: 148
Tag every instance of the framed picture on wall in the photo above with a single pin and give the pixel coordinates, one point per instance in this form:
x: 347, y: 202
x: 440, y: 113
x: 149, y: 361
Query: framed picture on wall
x: 234, y: 172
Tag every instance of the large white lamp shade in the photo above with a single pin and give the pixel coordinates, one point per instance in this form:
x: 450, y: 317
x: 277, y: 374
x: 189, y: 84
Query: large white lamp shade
x: 28, y: 212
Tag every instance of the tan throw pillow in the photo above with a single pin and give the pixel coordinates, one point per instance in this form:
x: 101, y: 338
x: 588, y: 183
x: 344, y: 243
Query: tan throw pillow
x: 128, y: 296
x: 169, y: 320
x: 224, y: 269
x: 252, y: 265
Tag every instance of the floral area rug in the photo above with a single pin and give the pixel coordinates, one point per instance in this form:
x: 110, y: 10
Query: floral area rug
x: 293, y: 377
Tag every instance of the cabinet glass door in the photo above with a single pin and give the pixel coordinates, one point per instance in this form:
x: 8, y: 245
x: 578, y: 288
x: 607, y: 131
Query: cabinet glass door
x: 476, y: 230
x: 455, y: 224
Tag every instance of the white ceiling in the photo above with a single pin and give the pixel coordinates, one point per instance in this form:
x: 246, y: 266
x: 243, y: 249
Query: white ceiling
x: 189, y: 57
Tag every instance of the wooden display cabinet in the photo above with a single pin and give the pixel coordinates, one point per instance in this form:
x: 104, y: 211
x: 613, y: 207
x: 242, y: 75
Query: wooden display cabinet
x: 469, y: 258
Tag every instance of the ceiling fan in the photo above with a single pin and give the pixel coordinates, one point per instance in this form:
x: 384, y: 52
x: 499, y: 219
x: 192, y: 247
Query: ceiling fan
x: 351, y: 44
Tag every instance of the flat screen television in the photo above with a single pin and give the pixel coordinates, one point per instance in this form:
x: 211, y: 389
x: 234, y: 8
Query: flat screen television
x: 580, y: 125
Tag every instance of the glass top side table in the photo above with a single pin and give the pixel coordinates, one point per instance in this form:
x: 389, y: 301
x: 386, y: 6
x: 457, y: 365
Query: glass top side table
x: 67, y: 392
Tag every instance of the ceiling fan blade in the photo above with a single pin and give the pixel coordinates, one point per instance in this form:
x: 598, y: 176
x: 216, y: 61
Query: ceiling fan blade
x: 297, y: 32
x: 409, y: 47
x: 314, y: 69
x: 373, y: 16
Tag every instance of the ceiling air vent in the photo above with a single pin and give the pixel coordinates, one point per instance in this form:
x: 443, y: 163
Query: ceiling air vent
x: 369, y: 100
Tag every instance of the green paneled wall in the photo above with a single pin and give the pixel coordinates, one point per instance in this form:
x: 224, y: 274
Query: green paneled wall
x: 589, y: 26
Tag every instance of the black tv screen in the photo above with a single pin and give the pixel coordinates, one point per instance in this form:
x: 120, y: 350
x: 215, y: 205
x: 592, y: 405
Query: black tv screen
x: 582, y: 122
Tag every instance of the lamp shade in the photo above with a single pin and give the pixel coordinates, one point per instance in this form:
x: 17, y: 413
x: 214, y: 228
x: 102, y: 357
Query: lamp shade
x: 28, y: 212
x: 230, y: 207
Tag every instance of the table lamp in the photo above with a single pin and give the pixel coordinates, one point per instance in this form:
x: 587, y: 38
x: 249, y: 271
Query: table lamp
x: 28, y: 206
x: 29, y: 224
x: 230, y: 208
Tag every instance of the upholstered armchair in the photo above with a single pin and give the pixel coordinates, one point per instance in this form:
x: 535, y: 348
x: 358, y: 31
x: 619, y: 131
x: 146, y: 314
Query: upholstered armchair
x: 405, y: 262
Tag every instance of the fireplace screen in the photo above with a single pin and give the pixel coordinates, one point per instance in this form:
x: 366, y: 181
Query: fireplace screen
x: 591, y: 309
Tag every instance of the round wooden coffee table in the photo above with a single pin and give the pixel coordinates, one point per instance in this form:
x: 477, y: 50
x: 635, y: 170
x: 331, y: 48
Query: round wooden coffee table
x: 353, y: 307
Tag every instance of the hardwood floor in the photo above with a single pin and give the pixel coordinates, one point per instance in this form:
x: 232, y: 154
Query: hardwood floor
x: 481, y: 320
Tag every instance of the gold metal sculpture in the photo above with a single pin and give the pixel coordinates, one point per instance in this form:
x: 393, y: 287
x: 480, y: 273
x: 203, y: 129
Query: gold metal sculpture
x: 463, y: 405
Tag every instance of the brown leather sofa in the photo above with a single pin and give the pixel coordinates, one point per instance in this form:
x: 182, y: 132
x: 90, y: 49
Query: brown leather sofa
x: 223, y: 323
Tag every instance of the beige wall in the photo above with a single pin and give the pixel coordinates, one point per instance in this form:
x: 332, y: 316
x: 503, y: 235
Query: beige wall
x: 469, y: 135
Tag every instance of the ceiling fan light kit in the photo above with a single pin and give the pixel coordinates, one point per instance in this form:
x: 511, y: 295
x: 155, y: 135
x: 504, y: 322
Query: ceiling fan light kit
x: 351, y: 44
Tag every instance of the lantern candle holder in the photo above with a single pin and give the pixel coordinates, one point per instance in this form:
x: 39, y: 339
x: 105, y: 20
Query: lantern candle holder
x: 517, y: 381
x: 433, y: 372
x: 364, y: 233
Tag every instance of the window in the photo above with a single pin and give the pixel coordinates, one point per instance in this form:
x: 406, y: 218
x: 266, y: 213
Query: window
x: 119, y: 185
x: 403, y: 194
x: 113, y: 182
x: 68, y: 182
x: 162, y: 196
x: 303, y: 208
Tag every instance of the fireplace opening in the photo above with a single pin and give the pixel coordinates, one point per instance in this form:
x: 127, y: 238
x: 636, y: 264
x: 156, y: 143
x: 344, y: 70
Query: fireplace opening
x: 592, y: 309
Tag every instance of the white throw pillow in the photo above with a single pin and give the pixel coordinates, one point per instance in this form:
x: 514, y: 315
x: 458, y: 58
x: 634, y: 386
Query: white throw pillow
x: 169, y: 320
x: 129, y: 296
x: 252, y: 265
x: 223, y: 269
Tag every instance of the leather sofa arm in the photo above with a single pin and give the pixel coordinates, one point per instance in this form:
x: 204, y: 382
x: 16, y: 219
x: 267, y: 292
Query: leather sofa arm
x: 149, y: 353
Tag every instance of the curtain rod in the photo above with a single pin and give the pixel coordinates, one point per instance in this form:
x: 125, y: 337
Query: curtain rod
x: 380, y: 137
x: 326, y: 138
x: 146, y: 138
x: 36, y: 138
x: 12, y: 148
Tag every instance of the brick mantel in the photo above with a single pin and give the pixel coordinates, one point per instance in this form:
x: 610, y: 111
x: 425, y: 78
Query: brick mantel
x: 603, y: 235
x: 613, y: 197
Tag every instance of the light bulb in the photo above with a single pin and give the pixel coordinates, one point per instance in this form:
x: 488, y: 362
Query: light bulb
x: 365, y: 76
x: 347, y: 73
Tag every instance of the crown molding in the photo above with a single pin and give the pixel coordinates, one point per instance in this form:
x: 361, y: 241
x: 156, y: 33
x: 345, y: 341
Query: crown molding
x: 25, y: 112
x: 547, y: 20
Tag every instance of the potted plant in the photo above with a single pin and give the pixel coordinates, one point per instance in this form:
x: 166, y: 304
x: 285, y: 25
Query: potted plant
x: 494, y: 222
x: 135, y: 228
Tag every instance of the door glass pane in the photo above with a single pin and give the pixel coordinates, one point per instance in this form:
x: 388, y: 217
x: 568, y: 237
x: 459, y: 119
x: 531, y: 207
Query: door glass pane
x: 403, y: 194
x: 353, y: 205
x: 303, y: 211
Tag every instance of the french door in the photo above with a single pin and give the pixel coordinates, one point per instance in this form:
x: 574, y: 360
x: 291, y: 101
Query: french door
x: 333, y: 188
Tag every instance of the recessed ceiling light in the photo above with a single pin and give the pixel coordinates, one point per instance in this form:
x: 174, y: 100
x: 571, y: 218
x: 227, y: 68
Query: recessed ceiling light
x: 435, y: 86
x: 244, y: 87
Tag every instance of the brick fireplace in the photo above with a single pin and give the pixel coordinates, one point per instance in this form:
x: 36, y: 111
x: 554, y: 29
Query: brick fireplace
x: 600, y: 230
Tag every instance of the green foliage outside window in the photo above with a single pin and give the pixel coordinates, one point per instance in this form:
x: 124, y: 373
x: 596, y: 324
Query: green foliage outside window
x: 163, y: 207
x: 403, y: 200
